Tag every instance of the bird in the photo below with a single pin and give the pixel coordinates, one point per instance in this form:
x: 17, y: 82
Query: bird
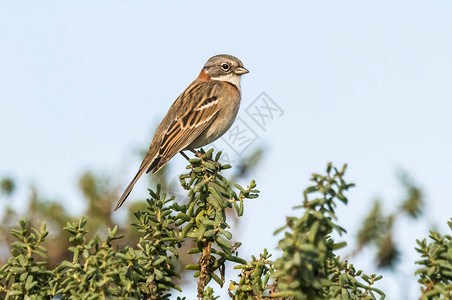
x: 204, y: 111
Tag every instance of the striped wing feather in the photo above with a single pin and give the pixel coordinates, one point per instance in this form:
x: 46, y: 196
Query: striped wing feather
x: 192, y: 112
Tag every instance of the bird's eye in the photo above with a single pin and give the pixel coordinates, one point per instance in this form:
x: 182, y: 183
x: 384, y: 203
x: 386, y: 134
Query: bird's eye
x: 225, y: 66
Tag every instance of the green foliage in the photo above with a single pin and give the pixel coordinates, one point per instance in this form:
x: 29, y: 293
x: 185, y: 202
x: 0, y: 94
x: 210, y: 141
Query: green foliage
x: 98, y: 270
x: 308, y: 268
x: 209, y: 294
x: 158, y: 246
x: 101, y: 267
x: 378, y: 227
x: 26, y: 274
x: 99, y: 196
x: 254, y: 278
x: 436, y: 271
x: 204, y: 216
x: 414, y: 200
x: 7, y: 186
x: 373, y: 227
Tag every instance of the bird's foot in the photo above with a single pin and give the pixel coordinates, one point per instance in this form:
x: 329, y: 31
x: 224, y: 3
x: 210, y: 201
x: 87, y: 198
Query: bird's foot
x: 204, y: 157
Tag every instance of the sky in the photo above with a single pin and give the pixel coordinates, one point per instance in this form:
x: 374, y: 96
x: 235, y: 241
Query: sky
x: 83, y: 85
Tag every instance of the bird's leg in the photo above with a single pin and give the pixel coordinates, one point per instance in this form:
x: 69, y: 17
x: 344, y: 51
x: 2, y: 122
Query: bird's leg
x: 197, y: 153
x: 184, y: 155
x: 200, y: 156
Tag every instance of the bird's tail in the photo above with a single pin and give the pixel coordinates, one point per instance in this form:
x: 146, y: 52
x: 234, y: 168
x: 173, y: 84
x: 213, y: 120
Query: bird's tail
x: 143, y: 168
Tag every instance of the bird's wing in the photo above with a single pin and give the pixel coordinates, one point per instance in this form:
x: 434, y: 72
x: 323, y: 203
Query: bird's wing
x: 192, y: 112
x: 199, y: 107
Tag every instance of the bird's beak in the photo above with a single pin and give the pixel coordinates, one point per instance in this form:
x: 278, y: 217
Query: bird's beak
x: 241, y: 71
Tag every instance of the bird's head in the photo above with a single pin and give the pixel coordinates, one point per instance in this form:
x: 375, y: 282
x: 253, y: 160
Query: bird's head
x: 225, y: 68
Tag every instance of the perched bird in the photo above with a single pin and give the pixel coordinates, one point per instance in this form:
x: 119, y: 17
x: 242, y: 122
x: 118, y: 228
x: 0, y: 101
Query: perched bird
x: 200, y: 115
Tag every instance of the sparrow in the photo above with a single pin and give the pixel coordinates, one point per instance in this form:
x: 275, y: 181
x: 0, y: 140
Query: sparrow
x: 204, y: 111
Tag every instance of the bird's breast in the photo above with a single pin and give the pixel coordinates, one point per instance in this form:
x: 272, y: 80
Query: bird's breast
x: 224, y: 119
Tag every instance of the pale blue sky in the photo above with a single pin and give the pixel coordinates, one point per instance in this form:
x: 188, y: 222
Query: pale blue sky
x: 83, y: 83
